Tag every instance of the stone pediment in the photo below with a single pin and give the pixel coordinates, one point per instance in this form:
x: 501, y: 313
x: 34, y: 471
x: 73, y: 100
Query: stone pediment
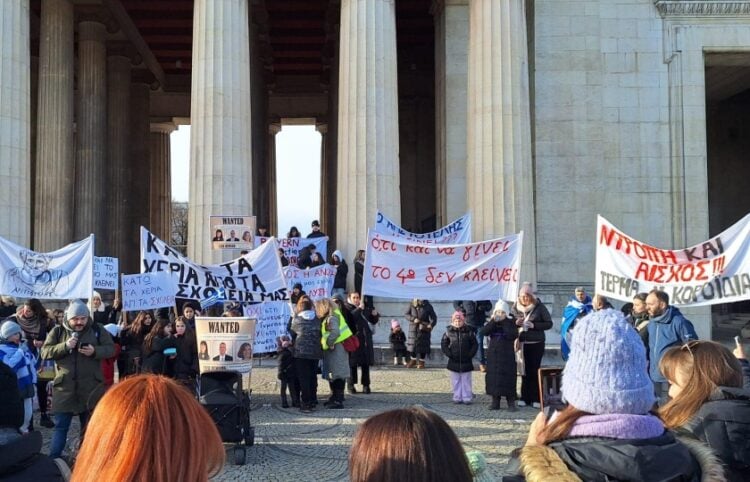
x: 703, y: 8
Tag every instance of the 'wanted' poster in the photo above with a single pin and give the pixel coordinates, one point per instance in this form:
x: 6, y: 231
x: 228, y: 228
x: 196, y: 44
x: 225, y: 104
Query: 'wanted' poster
x: 226, y: 344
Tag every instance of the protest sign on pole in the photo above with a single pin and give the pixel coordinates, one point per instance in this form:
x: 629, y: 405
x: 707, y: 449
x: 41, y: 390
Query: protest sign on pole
x: 232, y: 232
x: 457, y: 232
x: 292, y: 246
x: 476, y: 271
x: 715, y: 271
x: 147, y: 291
x: 256, y: 276
x: 58, y: 275
x: 317, y: 282
x: 272, y: 318
x: 106, y: 271
x: 226, y: 344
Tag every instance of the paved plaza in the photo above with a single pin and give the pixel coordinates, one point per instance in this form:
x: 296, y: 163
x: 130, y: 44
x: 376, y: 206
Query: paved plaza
x: 291, y: 446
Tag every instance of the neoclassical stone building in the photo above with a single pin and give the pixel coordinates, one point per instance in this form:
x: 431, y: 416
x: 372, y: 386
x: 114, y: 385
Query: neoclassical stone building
x: 534, y: 115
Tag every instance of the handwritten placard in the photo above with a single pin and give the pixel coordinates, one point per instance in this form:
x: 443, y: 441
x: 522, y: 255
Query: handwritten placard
x: 106, y: 273
x: 147, y: 291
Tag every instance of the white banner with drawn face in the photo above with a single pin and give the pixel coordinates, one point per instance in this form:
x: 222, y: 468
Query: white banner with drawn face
x: 712, y: 272
x: 272, y: 317
x: 256, y: 276
x: 457, y: 232
x: 226, y: 344
x: 59, y: 275
x: 293, y: 246
x: 316, y: 282
x: 398, y: 269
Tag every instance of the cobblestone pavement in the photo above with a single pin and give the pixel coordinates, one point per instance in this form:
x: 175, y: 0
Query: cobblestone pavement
x: 290, y: 445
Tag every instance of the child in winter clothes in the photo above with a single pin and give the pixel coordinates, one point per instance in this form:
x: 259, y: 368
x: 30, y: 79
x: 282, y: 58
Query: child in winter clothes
x: 15, y: 354
x: 500, y: 380
x: 459, y: 344
x: 286, y: 373
x: 397, y: 339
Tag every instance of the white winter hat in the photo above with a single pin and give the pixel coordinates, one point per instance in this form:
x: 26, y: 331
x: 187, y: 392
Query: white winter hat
x: 502, y: 306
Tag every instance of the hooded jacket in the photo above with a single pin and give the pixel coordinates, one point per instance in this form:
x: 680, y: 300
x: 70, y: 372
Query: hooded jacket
x: 79, y: 382
x: 342, y: 270
x: 665, y: 331
x: 306, y: 328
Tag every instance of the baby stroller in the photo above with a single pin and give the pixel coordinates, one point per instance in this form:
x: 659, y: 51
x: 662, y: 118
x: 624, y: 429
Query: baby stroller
x: 229, y: 406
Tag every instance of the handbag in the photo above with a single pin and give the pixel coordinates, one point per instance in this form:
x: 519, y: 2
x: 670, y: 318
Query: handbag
x: 520, y: 362
x: 351, y: 344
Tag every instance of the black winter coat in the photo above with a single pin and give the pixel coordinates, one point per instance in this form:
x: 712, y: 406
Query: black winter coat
x: 724, y: 424
x: 186, y: 363
x: 397, y: 339
x: 286, y: 366
x: 359, y: 270
x: 305, y: 329
x: 342, y: 270
x: 422, y: 319
x: 500, y: 379
x: 541, y: 319
x: 155, y: 361
x: 22, y: 460
x: 364, y: 320
x: 459, y: 345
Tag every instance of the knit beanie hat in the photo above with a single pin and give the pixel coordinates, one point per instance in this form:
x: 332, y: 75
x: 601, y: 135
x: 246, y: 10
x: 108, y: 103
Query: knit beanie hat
x: 11, y: 403
x: 607, y: 369
x: 526, y: 290
x: 76, y: 308
x: 395, y: 324
x: 502, y: 306
x: 458, y: 314
x: 8, y: 329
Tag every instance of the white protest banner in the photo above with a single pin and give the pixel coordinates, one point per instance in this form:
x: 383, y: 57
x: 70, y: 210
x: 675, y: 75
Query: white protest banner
x: 457, y: 232
x: 232, y: 232
x: 226, y: 344
x: 272, y: 317
x: 59, y: 275
x: 715, y: 271
x: 486, y: 270
x: 317, y: 282
x: 147, y: 291
x: 106, y: 273
x: 256, y: 276
x: 292, y: 246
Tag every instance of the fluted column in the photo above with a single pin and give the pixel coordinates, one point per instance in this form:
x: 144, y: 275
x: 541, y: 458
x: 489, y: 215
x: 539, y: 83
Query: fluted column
x: 140, y: 131
x: 161, y: 189
x: 117, y: 199
x: 220, y: 142
x: 500, y: 169
x: 91, y: 172
x: 15, y: 120
x: 53, y: 216
x: 368, y: 165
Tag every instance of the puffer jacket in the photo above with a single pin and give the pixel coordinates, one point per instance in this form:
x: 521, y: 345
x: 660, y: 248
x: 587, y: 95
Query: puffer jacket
x: 306, y: 330
x: 539, y: 316
x: 459, y: 345
x: 79, y: 382
x: 665, y: 331
x: 593, y: 459
x: 422, y: 319
x: 723, y: 423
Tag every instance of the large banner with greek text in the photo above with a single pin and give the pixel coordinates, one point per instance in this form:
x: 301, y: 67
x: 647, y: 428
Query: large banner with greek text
x: 457, y: 232
x: 715, y: 271
x: 272, y: 317
x: 226, y: 344
x: 58, y: 275
x: 397, y: 269
x: 317, y: 282
x: 256, y: 276
x: 292, y: 246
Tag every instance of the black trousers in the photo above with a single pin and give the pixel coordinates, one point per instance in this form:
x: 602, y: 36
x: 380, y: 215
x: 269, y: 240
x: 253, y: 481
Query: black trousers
x: 532, y: 356
x: 305, y: 370
x: 41, y: 393
x: 337, y: 390
x: 365, y: 375
x: 416, y: 355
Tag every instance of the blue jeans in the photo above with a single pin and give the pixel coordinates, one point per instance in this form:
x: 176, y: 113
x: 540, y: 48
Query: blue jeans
x: 480, y: 342
x: 60, y: 435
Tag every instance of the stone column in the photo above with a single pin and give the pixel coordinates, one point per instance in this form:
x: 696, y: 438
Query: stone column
x: 273, y: 207
x: 220, y: 140
x: 117, y: 197
x: 55, y: 143
x: 91, y: 172
x: 368, y: 165
x: 451, y: 67
x: 15, y: 120
x: 500, y: 172
x: 325, y: 174
x: 140, y: 130
x: 161, y: 189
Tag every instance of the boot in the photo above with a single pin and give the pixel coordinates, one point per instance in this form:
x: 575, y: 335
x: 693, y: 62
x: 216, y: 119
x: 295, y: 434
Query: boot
x: 404, y: 361
x: 46, y: 421
x: 295, y: 400
x: 396, y: 361
x: 366, y: 389
x: 284, y: 403
x: 351, y: 388
x: 412, y: 363
x: 420, y: 364
x: 511, y: 404
x: 495, y: 403
x: 337, y: 399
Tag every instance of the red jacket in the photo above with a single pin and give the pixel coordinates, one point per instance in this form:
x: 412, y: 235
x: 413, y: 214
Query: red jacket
x: 108, y: 367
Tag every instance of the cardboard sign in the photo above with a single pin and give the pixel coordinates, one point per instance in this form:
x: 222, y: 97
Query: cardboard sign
x: 106, y: 273
x: 147, y: 291
x: 226, y: 344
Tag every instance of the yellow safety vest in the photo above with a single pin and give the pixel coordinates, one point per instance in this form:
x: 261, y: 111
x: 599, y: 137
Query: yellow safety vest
x: 344, y: 330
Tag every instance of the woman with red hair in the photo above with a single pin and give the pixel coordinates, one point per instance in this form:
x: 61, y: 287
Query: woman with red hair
x: 175, y: 439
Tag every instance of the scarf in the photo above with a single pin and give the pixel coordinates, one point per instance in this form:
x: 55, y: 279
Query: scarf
x: 525, y: 309
x: 31, y: 325
x: 618, y: 426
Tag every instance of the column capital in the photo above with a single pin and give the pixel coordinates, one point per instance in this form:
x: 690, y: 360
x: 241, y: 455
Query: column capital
x: 124, y: 49
x: 90, y: 28
x: 274, y: 128
x: 163, y: 127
